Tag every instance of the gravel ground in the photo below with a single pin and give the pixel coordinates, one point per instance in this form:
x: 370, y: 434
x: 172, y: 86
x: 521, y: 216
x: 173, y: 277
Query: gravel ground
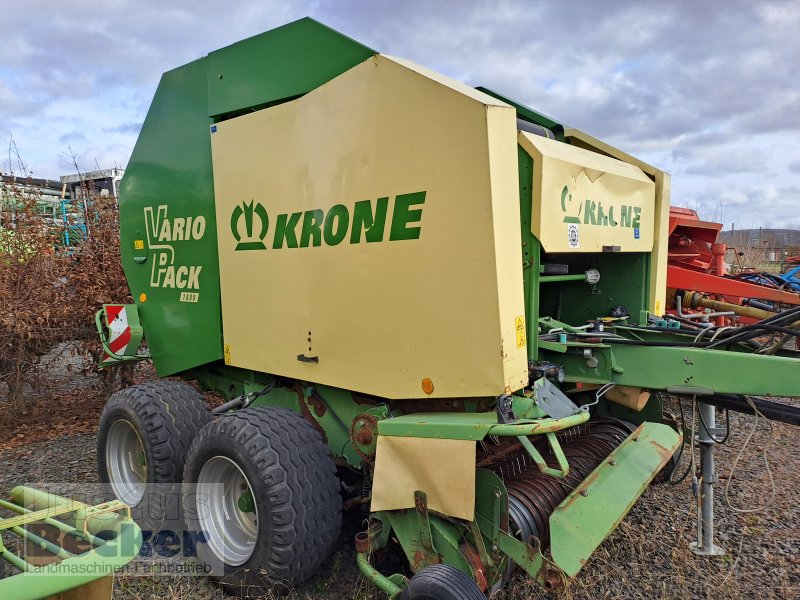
x: 646, y: 557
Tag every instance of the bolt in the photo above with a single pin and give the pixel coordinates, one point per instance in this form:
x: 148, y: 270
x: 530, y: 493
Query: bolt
x: 612, y: 462
x: 584, y: 493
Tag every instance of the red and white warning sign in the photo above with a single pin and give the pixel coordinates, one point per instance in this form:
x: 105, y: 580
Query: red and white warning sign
x: 118, y: 328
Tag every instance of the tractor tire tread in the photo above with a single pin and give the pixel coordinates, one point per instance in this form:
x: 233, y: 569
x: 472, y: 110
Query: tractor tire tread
x: 168, y: 414
x: 302, y: 486
x: 442, y: 581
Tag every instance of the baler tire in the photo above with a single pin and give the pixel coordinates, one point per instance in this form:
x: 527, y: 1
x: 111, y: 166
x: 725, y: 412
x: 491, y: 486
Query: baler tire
x: 166, y: 416
x: 441, y: 582
x: 288, y: 470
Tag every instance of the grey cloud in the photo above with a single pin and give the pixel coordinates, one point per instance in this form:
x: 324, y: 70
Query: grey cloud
x: 128, y: 127
x: 73, y: 137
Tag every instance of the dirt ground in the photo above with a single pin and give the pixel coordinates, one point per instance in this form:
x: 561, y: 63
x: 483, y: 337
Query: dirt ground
x: 51, y: 439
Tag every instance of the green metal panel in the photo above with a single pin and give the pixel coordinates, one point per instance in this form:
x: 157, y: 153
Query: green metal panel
x: 685, y: 370
x: 528, y: 113
x: 171, y: 166
x: 279, y: 64
x: 594, y: 509
x: 624, y: 278
x: 471, y: 426
x: 531, y: 252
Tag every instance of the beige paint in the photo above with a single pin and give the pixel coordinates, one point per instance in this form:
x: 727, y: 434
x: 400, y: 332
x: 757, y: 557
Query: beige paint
x: 448, y: 480
x: 658, y: 257
x: 588, y: 176
x: 382, y: 316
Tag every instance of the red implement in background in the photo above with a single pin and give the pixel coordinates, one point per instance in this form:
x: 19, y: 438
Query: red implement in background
x: 696, y: 263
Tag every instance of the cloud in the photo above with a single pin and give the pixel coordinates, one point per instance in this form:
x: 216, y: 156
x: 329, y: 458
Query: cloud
x: 73, y: 137
x: 706, y: 90
x: 129, y: 127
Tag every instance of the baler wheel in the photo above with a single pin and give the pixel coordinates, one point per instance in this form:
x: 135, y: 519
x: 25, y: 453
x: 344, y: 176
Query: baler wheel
x: 441, y: 582
x: 276, y: 516
x: 144, y: 436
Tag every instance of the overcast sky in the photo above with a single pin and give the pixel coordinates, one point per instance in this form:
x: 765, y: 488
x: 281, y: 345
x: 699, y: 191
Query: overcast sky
x: 706, y: 90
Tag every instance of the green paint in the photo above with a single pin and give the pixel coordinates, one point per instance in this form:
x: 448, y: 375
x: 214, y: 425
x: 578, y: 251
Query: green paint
x: 372, y: 223
x: 338, y: 413
x: 578, y: 527
x: 404, y: 216
x: 685, y: 370
x: 445, y: 534
x: 247, y: 210
x: 280, y: 64
x: 594, y: 213
x: 246, y: 503
x: 336, y: 222
x: 531, y: 252
x: 528, y: 114
x: 95, y: 556
x: 331, y: 227
x: 172, y: 160
x: 470, y: 426
x: 312, y: 228
x: 285, y: 231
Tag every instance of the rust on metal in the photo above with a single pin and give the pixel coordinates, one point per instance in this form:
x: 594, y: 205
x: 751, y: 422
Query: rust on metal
x: 362, y: 542
x: 478, y: 569
x: 664, y: 453
x: 318, y: 405
x: 304, y: 410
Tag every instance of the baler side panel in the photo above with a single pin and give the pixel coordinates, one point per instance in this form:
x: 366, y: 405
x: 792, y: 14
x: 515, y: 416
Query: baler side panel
x: 430, y: 292
x: 168, y: 232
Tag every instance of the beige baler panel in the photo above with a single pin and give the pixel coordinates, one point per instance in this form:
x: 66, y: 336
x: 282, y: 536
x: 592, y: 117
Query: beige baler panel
x: 585, y: 202
x: 448, y: 480
x: 378, y: 316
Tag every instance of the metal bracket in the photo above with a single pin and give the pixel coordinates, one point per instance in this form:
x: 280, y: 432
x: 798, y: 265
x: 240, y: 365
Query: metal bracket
x: 553, y: 401
x: 541, y: 463
x: 505, y: 409
x: 426, y: 539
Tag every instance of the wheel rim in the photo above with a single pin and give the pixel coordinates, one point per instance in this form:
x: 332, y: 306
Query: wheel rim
x: 227, y: 513
x: 126, y: 462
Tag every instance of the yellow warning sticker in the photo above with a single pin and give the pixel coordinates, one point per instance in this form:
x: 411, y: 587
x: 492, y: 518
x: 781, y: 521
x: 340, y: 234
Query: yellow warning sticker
x: 138, y: 244
x: 658, y: 312
x: 227, y: 354
x: 519, y: 324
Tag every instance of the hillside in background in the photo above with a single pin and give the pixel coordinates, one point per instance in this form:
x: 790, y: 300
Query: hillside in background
x: 775, y: 238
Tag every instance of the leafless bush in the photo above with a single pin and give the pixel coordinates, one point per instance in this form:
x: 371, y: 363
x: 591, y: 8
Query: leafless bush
x: 49, y: 292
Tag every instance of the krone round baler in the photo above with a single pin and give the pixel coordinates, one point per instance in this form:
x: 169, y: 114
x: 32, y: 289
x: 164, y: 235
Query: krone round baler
x: 420, y: 299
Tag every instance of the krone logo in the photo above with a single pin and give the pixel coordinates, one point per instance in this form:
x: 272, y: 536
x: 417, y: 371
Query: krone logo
x: 566, y: 199
x: 590, y: 212
x: 248, y: 241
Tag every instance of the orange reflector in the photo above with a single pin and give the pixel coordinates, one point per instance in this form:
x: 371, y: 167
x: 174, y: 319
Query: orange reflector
x: 427, y: 386
x: 142, y: 297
